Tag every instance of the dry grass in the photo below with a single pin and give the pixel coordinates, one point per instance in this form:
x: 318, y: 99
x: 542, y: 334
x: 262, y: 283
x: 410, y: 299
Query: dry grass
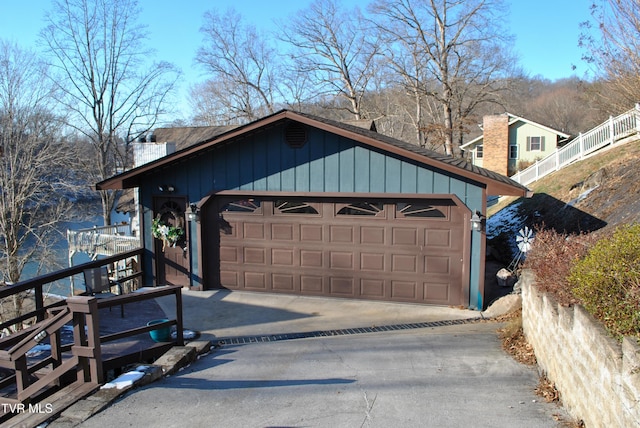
x: 514, y: 341
x: 547, y: 390
x: 560, y: 184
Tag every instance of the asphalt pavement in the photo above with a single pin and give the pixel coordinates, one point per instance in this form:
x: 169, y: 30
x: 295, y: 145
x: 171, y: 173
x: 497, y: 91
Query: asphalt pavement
x: 420, y: 373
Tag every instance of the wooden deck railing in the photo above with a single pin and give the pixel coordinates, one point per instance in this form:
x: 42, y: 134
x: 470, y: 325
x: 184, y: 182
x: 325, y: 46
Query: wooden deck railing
x: 84, y: 355
x: 35, y: 287
x: 614, y: 130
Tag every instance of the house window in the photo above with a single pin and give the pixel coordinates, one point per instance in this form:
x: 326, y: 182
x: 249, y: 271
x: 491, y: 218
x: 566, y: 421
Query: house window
x: 479, y: 152
x: 535, y: 144
x: 513, y: 152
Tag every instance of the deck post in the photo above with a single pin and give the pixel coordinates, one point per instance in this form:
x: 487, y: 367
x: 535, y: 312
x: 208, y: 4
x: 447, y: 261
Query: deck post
x: 87, y: 344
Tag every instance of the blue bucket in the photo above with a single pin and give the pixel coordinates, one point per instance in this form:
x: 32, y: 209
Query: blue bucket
x: 161, y: 334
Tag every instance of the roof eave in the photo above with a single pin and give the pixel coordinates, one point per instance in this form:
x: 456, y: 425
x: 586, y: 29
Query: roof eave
x: 131, y: 178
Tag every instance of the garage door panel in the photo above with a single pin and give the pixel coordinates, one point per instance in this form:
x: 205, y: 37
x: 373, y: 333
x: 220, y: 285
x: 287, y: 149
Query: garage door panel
x: 438, y: 238
x: 310, y: 233
x: 404, y: 236
x: 437, y: 265
x: 282, y: 232
x: 404, y: 290
x: 341, y: 286
x: 253, y: 231
x: 311, y: 284
x: 372, y: 288
x: 230, y: 229
x: 372, y: 235
x: 340, y: 260
x: 372, y: 262
x: 255, y: 280
x: 341, y: 234
x: 229, y: 254
x: 229, y: 278
x: 311, y: 258
x: 282, y: 282
x: 364, y: 250
x: 436, y: 292
x: 282, y: 257
x: 255, y: 256
x: 403, y: 263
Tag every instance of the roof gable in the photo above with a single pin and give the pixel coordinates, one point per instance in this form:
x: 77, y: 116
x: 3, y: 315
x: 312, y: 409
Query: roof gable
x: 514, y: 119
x: 496, y: 184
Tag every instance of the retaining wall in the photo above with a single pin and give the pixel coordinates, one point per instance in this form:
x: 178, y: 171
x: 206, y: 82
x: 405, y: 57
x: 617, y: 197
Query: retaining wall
x: 598, y: 378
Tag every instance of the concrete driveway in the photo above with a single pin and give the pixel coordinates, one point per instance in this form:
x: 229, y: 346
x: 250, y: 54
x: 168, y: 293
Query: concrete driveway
x: 436, y: 376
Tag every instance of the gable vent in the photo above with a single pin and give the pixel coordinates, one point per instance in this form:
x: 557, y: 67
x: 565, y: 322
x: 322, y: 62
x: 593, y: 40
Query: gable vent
x: 295, y: 135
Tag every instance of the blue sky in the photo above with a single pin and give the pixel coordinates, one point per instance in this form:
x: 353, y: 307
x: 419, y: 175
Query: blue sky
x: 546, y: 31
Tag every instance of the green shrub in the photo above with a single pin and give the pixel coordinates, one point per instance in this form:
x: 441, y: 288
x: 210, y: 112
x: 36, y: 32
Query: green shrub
x: 607, y: 281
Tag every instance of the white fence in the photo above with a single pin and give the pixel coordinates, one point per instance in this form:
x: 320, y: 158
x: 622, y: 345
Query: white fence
x: 608, y: 133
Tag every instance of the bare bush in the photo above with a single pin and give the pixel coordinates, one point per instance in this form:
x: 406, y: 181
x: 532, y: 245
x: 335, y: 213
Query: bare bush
x: 551, y: 257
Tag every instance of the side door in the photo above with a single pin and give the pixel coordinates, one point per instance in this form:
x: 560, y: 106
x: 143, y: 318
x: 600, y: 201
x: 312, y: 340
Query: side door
x: 172, y: 256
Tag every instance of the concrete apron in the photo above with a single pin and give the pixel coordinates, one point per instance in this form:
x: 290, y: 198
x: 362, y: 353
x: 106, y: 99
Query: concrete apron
x: 220, y: 314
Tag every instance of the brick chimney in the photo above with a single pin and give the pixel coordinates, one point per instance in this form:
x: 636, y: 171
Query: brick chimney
x: 496, y: 143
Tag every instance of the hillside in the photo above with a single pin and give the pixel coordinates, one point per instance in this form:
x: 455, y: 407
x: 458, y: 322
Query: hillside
x: 594, y: 195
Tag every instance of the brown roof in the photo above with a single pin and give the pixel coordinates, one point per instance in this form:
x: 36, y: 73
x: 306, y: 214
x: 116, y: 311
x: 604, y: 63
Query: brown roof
x: 185, y: 136
x: 496, y: 184
x: 363, y: 123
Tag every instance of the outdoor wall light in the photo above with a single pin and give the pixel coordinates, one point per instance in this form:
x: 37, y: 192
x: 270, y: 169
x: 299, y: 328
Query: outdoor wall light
x: 477, y: 221
x: 168, y: 188
x: 194, y: 213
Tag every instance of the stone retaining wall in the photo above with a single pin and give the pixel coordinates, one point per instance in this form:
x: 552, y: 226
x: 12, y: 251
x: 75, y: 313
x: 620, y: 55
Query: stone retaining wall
x: 597, y: 377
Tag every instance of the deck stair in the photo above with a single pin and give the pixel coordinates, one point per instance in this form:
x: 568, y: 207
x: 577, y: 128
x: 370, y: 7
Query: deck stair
x: 31, y: 415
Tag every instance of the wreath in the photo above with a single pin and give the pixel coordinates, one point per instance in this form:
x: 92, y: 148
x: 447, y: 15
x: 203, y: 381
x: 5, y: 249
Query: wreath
x: 170, y: 235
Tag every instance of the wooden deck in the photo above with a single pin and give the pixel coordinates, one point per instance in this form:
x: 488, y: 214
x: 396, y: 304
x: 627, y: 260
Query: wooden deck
x: 75, y: 364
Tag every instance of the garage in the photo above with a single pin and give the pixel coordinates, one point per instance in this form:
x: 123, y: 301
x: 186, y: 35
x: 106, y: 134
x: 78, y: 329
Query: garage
x: 405, y: 250
x: 298, y: 204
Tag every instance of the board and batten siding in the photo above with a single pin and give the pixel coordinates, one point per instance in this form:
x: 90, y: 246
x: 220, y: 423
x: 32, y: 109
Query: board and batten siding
x: 326, y: 164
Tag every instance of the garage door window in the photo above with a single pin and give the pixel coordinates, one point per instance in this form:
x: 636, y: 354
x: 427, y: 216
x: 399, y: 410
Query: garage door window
x: 243, y: 206
x: 418, y: 210
x: 294, y: 207
x: 361, y: 208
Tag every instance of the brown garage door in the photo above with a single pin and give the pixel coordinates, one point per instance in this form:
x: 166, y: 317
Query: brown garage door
x: 410, y: 251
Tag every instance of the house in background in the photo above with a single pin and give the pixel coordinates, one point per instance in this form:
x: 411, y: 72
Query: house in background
x: 511, y: 143
x: 297, y: 204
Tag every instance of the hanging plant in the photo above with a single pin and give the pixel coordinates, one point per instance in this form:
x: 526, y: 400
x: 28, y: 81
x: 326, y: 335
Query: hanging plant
x: 170, y: 235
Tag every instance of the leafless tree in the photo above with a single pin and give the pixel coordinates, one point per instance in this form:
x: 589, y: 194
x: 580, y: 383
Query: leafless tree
x: 34, y: 170
x: 111, y: 90
x: 439, y: 48
x: 611, y: 43
x: 243, y: 67
x: 335, y: 48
